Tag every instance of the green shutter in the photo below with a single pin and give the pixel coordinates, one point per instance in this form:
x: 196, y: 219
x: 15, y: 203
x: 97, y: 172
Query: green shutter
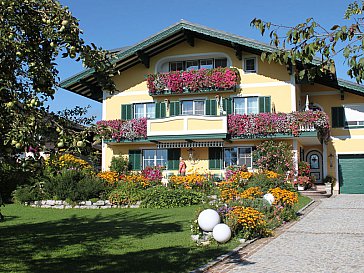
x: 264, y: 105
x: 215, y: 158
x: 174, y: 108
x: 126, y: 111
x: 135, y: 159
x: 173, y: 158
x: 338, y: 117
x: 227, y: 105
x: 160, y: 110
x: 210, y: 107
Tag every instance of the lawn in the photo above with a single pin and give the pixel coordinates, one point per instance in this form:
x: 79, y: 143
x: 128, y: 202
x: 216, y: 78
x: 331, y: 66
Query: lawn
x: 111, y: 240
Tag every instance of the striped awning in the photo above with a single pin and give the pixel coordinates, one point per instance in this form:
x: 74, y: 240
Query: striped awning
x: 194, y: 144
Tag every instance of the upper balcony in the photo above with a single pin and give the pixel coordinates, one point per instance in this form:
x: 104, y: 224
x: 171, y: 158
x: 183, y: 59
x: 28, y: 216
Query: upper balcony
x: 193, y: 81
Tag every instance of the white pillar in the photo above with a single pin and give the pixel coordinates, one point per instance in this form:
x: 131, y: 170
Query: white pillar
x: 295, y: 156
x: 324, y: 160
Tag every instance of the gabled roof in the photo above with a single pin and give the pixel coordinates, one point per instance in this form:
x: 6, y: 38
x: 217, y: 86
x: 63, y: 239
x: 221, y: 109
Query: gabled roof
x: 85, y: 84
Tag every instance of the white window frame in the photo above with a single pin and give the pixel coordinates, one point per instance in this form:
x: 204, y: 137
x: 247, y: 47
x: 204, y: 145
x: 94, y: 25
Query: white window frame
x: 255, y: 70
x: 238, y: 155
x: 193, y: 107
x: 145, y: 109
x: 246, y: 104
x: 359, y: 123
x: 154, y: 157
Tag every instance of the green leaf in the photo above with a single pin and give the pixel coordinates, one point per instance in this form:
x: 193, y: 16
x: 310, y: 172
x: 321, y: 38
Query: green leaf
x: 301, y: 74
x: 346, y: 52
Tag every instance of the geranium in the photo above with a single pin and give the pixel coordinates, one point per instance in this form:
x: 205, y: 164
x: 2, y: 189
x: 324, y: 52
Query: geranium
x: 303, y: 168
x: 119, y: 130
x: 193, y: 80
x: 303, y: 181
x: 269, y: 124
x: 153, y: 174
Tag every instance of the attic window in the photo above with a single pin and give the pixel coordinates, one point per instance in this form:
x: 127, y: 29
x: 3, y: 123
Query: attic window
x: 250, y: 65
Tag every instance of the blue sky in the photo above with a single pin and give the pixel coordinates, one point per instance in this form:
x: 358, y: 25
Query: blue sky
x: 117, y: 23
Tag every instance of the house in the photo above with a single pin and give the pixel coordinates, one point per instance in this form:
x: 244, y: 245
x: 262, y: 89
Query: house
x: 168, y: 114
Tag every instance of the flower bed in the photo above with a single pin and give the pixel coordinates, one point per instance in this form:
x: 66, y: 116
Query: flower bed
x: 268, y: 124
x: 119, y: 130
x: 193, y: 80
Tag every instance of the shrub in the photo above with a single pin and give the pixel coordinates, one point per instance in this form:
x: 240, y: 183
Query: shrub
x: 251, y: 193
x: 119, y: 165
x: 110, y: 177
x: 284, y: 197
x: 273, y: 156
x: 74, y: 185
x: 126, y: 194
x: 265, y: 183
x: 26, y: 193
x: 163, y: 197
x: 191, y: 181
x: 247, y: 222
x: 153, y: 174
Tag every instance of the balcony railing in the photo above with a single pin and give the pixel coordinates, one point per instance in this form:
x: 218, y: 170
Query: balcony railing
x: 193, y: 81
x: 271, y: 124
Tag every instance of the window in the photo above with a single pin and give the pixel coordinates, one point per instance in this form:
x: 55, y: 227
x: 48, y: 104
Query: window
x: 208, y: 64
x: 155, y: 158
x: 175, y: 66
x: 144, y: 110
x: 193, y: 107
x: 247, y: 105
x: 238, y: 156
x: 192, y: 65
x: 220, y: 62
x: 197, y: 64
x: 250, y: 65
x: 354, y: 115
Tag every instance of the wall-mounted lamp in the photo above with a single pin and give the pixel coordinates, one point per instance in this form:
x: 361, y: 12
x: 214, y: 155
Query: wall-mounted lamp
x: 331, y: 159
x: 190, y: 153
x: 217, y: 98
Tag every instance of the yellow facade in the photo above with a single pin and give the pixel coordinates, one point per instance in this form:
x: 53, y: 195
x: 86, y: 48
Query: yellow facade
x: 270, y: 80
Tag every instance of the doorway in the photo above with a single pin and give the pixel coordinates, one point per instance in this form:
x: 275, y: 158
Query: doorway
x: 314, y: 158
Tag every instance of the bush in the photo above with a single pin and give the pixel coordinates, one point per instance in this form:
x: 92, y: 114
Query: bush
x: 163, y: 197
x: 153, y: 174
x: 26, y: 193
x: 273, y: 156
x: 126, y: 194
x: 119, y: 165
x: 74, y: 185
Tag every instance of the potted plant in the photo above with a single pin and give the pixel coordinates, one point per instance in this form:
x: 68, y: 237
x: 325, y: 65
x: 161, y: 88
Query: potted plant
x: 329, y: 183
x: 303, y: 182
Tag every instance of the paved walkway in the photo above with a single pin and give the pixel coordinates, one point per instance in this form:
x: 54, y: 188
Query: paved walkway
x: 329, y: 239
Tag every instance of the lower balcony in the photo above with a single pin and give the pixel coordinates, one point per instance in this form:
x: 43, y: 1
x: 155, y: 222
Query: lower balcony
x: 187, y: 127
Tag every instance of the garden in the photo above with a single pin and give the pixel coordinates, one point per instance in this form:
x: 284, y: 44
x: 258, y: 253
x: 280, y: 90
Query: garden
x: 142, y: 218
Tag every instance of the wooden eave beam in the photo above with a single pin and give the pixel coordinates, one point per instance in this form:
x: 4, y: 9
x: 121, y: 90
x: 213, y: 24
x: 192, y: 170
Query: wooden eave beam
x: 143, y: 58
x: 190, y: 38
x: 238, y: 51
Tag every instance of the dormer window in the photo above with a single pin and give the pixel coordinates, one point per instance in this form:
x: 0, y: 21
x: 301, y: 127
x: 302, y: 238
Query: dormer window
x: 197, y: 64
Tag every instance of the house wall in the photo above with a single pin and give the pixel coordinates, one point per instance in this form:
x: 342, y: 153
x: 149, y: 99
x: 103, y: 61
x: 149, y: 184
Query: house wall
x: 343, y: 141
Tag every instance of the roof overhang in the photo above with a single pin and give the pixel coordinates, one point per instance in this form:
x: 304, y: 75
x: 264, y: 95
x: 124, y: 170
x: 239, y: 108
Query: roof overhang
x: 85, y: 83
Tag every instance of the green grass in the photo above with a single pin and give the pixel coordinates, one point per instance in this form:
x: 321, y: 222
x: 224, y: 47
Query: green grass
x: 302, y: 201
x: 112, y: 240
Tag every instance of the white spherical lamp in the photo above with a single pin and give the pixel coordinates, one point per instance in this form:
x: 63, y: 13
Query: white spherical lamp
x: 208, y: 219
x: 221, y: 233
x: 269, y: 197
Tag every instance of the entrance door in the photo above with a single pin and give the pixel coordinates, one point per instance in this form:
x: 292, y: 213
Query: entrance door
x: 314, y: 158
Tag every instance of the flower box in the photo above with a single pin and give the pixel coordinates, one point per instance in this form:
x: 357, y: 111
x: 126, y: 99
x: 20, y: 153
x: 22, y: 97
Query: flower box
x: 193, y: 81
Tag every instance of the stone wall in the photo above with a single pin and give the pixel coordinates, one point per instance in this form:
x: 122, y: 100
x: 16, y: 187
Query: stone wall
x: 59, y: 204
